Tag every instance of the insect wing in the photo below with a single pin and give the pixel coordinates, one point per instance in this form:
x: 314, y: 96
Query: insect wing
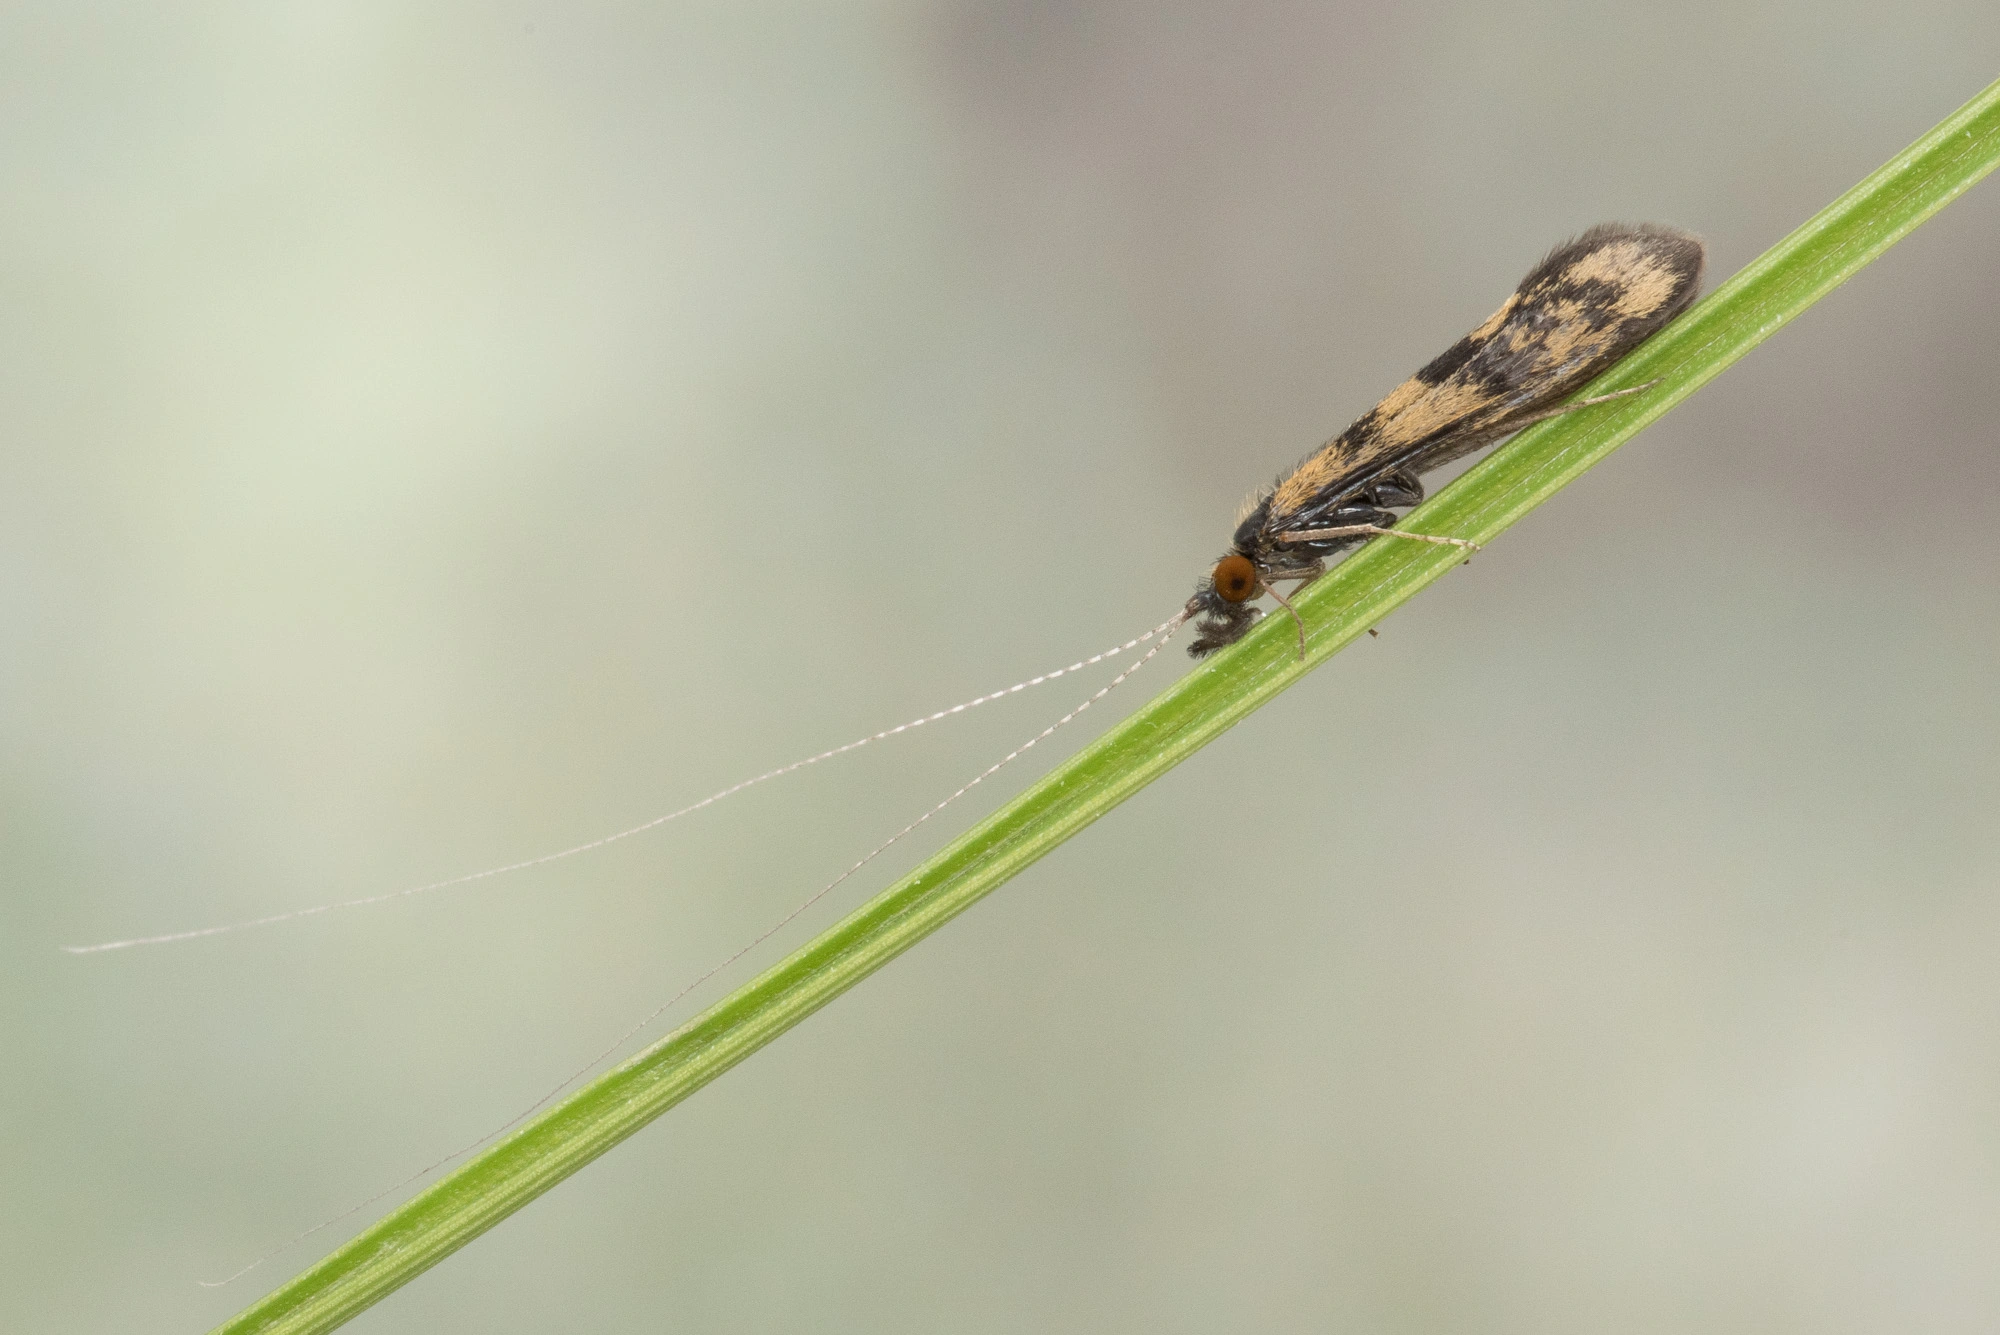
x: 1588, y: 304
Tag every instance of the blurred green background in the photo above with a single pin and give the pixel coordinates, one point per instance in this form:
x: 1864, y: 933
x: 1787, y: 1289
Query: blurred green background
x: 432, y: 436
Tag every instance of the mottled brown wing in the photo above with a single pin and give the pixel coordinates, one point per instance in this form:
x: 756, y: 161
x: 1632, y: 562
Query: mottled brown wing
x: 1589, y: 303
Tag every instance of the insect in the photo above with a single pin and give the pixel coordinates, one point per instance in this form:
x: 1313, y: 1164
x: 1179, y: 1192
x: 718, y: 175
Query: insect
x: 1589, y: 303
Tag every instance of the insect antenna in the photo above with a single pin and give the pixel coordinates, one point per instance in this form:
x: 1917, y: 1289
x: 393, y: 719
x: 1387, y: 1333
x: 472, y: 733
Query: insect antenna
x: 293, y: 915
x: 1165, y: 631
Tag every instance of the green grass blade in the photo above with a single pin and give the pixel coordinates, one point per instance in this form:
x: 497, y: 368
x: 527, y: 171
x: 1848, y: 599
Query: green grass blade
x: 1819, y: 256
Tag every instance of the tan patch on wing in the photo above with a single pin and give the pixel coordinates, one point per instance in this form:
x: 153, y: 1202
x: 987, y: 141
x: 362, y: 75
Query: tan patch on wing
x: 1411, y: 413
x: 1411, y: 410
x: 1453, y: 401
x: 1645, y: 281
x: 1400, y: 398
x: 1495, y: 320
x: 1326, y: 466
x: 1568, y: 339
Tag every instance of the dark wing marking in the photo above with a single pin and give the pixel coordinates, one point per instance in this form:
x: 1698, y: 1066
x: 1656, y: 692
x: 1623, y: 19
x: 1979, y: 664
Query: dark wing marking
x: 1589, y: 303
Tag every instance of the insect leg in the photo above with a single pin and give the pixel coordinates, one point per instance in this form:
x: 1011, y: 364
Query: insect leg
x: 1370, y: 530
x: 1398, y: 490
x: 1594, y: 399
x: 1286, y: 603
x: 1305, y: 574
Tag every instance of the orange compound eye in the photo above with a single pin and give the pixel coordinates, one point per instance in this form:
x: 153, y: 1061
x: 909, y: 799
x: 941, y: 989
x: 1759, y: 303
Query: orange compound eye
x: 1235, y: 578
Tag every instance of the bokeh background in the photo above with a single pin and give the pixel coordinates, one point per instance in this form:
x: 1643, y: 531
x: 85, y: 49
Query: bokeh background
x: 435, y: 435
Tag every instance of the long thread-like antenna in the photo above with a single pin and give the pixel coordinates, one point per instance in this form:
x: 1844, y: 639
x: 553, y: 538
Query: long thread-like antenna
x: 293, y: 915
x: 1165, y: 631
